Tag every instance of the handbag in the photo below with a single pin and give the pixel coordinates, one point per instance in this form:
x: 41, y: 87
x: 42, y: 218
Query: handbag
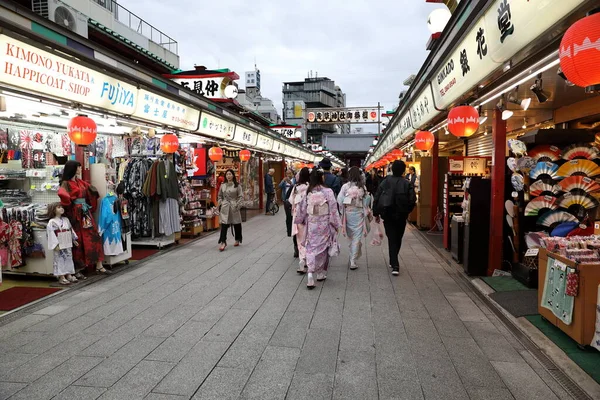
x: 334, y: 247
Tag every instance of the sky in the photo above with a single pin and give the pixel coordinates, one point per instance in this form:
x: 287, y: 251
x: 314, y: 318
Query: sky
x: 367, y: 47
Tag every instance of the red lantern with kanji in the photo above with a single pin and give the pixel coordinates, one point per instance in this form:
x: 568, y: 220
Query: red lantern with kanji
x: 463, y: 121
x: 215, y: 153
x: 82, y: 130
x: 580, y: 51
x: 244, y: 155
x: 397, y: 154
x: 169, y: 143
x: 424, y: 140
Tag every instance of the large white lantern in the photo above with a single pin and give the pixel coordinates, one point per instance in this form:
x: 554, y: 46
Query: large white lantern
x: 438, y: 19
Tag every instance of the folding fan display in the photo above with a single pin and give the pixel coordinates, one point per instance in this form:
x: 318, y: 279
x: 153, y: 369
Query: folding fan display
x: 579, y: 151
x: 544, y: 170
x: 534, y: 239
x: 569, y: 200
x: 540, y: 203
x: 578, y: 168
x: 543, y: 188
x: 512, y: 164
x: 526, y: 164
x: 545, y: 152
x: 579, y: 184
x: 555, y: 217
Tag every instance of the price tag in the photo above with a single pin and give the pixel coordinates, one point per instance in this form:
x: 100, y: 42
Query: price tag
x: 532, y: 253
x: 32, y: 187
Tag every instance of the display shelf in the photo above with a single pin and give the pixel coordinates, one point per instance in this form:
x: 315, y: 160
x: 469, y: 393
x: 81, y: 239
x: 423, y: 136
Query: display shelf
x: 159, y: 242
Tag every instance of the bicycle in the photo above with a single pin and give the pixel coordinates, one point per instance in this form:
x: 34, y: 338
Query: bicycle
x: 274, y: 208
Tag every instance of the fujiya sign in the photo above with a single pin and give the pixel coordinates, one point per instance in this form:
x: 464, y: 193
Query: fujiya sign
x: 31, y: 68
x: 162, y: 110
x: 245, y: 136
x: 216, y: 127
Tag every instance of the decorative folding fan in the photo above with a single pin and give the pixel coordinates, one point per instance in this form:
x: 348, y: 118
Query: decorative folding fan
x: 555, y: 217
x: 526, y: 164
x: 543, y: 188
x: 539, y: 203
x: 569, y: 200
x: 544, y: 170
x: 578, y: 184
x: 580, y: 151
x: 534, y: 239
x: 545, y: 152
x: 579, y: 168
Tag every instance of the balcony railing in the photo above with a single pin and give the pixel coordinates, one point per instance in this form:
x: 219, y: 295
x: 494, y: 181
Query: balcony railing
x: 137, y: 24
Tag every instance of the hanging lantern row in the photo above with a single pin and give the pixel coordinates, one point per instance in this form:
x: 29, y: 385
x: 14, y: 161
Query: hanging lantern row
x: 82, y: 130
x: 580, y: 53
x: 169, y: 143
x: 424, y: 140
x: 463, y: 121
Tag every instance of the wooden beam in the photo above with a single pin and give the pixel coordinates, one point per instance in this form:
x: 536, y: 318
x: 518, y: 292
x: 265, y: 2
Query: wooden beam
x: 582, y: 109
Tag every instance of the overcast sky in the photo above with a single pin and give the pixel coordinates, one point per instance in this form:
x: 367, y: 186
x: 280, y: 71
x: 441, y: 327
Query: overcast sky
x: 367, y: 47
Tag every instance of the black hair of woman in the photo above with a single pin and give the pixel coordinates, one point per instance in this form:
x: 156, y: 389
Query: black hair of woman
x: 52, y: 209
x: 316, y: 179
x: 70, y: 170
x: 235, y: 182
x: 303, y: 176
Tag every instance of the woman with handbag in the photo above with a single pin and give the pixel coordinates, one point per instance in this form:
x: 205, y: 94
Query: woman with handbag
x: 355, y: 204
x: 319, y: 212
x: 230, y: 199
x: 79, y: 200
x: 298, y: 194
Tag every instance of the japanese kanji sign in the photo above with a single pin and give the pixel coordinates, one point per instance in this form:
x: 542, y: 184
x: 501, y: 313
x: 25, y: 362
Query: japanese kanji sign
x: 212, y: 88
x: 155, y: 108
x: 216, y: 127
x: 360, y: 115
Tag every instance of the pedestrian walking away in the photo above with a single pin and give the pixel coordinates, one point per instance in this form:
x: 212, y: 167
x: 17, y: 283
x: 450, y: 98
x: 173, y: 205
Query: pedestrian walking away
x: 298, y: 194
x: 269, y: 190
x: 286, y: 186
x: 230, y: 201
x: 395, y: 199
x: 331, y: 181
x: 319, y: 212
x: 355, y: 204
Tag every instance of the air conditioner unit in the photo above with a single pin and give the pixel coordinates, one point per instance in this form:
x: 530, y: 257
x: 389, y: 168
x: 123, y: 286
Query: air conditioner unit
x: 63, y: 15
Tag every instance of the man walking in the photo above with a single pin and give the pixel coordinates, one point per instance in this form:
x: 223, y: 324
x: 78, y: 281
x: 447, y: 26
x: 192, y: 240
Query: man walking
x: 269, y: 190
x: 331, y: 181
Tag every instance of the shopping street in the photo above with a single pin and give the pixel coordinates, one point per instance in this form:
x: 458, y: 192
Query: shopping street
x: 241, y: 324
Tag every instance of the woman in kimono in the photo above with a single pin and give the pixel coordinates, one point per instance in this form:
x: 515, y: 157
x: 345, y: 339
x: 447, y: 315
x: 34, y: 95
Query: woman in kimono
x: 319, y: 212
x: 79, y: 199
x: 230, y: 199
x: 355, y: 204
x: 299, y: 230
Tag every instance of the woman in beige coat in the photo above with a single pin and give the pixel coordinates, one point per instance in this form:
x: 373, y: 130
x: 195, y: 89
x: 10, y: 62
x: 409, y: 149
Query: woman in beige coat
x: 230, y: 201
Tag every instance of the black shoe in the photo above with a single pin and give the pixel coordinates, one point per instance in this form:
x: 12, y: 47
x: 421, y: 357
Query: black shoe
x: 296, y: 255
x: 395, y: 270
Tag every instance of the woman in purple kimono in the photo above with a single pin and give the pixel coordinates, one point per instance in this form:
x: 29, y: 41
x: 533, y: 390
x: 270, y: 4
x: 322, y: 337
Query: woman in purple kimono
x: 318, y: 211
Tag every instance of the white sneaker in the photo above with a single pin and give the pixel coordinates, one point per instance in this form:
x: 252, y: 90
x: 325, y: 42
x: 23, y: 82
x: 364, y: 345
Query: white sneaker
x: 321, y: 276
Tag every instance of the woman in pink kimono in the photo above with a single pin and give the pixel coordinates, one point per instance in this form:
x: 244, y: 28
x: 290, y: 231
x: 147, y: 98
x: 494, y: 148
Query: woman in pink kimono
x: 299, y: 230
x: 319, y: 212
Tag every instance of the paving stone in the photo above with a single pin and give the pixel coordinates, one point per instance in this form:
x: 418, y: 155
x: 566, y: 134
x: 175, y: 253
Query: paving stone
x: 223, y: 384
x: 319, y: 353
x: 117, y: 339
x: 230, y: 326
x: 545, y: 375
x: 58, y: 379
x: 311, y: 386
x: 80, y: 393
x: 439, y: 379
x: 160, y: 396
x: 486, y: 393
x: 466, y: 309
x: 493, y: 343
x: 139, y: 381
x: 32, y: 369
x: 356, y: 375
x: 292, y: 329
x: 273, y: 374
x: 52, y: 310
x: 20, y: 325
x: 523, y: 382
x: 424, y: 339
x: 7, y: 389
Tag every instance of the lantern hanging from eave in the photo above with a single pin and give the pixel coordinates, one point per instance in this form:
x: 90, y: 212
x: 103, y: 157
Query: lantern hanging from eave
x: 169, y: 143
x: 397, y: 154
x: 215, y: 153
x: 580, y: 52
x: 82, y: 130
x: 463, y: 121
x: 244, y: 155
x: 424, y: 140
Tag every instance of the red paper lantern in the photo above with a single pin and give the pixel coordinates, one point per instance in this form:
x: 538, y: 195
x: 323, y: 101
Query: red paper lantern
x: 82, y: 130
x: 463, y: 121
x: 215, y: 153
x: 579, y: 57
x: 169, y: 143
x: 244, y: 155
x: 397, y: 154
x: 424, y: 140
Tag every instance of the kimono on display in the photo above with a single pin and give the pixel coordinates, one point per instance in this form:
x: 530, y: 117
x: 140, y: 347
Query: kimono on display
x: 140, y: 214
x: 109, y: 225
x: 60, y: 239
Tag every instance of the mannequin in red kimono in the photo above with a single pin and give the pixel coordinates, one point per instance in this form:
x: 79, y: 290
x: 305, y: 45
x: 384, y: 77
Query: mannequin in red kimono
x: 79, y: 200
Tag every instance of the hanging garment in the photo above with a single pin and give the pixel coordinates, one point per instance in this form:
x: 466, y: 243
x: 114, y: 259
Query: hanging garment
x: 109, y: 225
x: 60, y: 239
x: 14, y: 244
x: 169, y: 221
x: 79, y: 204
x: 5, y: 233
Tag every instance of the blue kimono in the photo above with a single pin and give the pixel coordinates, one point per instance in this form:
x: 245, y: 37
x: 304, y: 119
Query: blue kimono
x: 109, y: 225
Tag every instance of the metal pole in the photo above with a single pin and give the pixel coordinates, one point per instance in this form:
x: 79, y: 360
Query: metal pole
x: 378, y: 120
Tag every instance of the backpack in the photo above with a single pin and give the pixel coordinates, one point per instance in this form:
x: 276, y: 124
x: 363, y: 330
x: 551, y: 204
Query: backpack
x: 397, y: 197
x: 333, y: 182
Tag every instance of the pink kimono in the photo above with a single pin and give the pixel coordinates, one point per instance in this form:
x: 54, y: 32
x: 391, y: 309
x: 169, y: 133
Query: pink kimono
x: 298, y: 194
x: 319, y: 212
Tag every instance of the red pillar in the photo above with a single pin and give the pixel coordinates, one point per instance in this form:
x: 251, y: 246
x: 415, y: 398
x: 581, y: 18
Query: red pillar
x: 497, y: 206
x: 435, y: 151
x: 261, y: 183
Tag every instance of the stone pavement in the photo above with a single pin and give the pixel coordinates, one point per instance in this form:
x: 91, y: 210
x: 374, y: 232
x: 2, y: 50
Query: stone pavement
x: 197, y: 323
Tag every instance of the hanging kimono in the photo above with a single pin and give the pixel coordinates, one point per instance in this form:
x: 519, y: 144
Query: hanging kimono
x: 298, y: 194
x: 79, y: 204
x: 318, y: 211
x: 5, y: 233
x: 168, y: 190
x: 355, y: 204
x: 109, y: 225
x: 60, y: 239
x: 14, y: 244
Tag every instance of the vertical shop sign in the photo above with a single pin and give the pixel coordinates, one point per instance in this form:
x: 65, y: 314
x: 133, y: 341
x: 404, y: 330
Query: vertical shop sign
x: 422, y: 110
x: 216, y: 127
x: 162, y: 110
x: 264, y: 143
x: 245, y: 136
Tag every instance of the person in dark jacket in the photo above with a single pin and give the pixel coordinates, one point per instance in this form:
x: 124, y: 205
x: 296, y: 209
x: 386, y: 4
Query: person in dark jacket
x: 394, y: 201
x: 269, y: 190
x: 331, y: 181
x: 412, y: 175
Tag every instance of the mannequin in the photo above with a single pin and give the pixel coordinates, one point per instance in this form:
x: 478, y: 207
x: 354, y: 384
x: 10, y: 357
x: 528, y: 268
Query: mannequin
x: 79, y: 200
x: 61, y: 239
